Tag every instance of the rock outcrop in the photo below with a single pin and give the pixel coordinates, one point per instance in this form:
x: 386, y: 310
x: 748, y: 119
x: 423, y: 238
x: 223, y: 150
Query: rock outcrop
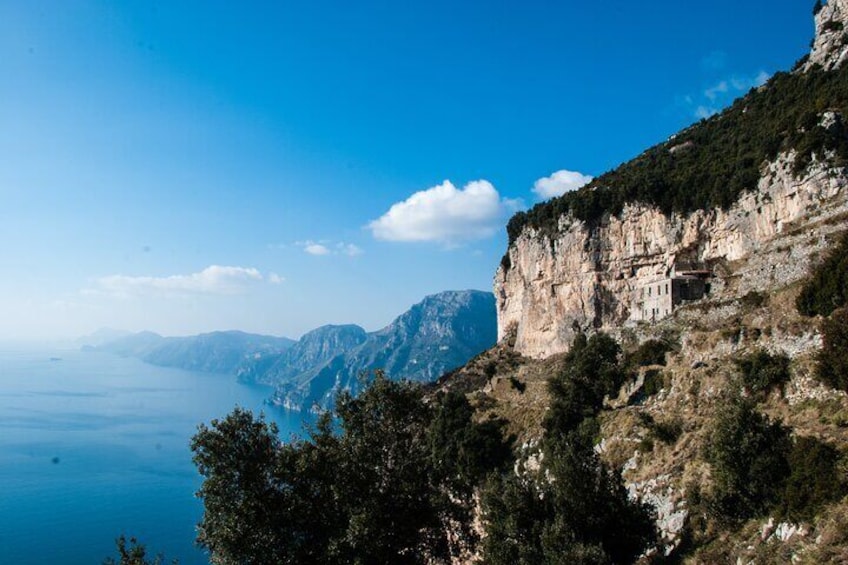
x: 639, y: 263
x: 830, y: 47
x: 589, y: 278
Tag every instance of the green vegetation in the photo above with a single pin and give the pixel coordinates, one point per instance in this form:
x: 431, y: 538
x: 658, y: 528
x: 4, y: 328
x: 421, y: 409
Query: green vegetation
x: 667, y: 431
x: 815, y: 479
x: 382, y: 483
x: 654, y: 382
x: 592, y: 370
x: 762, y: 372
x: 713, y: 162
x: 651, y: 352
x: 748, y: 456
x: 827, y: 288
x: 758, y: 468
x: 832, y: 366
x: 131, y: 552
x: 575, y: 510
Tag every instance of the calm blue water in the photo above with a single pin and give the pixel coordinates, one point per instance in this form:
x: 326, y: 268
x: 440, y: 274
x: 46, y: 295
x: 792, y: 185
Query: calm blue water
x: 95, y: 445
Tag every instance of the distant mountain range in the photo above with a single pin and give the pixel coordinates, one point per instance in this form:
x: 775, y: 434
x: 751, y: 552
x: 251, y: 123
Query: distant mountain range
x: 216, y: 352
x: 440, y: 333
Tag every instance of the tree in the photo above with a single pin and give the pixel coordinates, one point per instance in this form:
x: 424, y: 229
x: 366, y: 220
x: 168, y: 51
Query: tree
x: 384, y: 479
x: 575, y: 509
x: 237, y: 457
x: 832, y: 367
x: 133, y: 553
x: 748, y: 455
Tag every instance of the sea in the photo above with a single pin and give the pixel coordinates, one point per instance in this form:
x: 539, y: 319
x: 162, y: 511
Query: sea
x: 93, y: 446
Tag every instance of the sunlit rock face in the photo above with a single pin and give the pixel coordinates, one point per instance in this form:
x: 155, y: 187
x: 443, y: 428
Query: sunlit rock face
x: 830, y: 47
x: 584, y: 279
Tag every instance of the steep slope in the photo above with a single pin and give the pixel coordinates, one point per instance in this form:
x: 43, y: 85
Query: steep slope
x: 723, y: 425
x: 311, y: 353
x: 739, y: 201
x: 434, y: 336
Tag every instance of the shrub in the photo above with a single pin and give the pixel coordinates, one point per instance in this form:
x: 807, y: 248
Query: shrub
x: 651, y: 352
x: 517, y: 385
x: 591, y: 371
x: 832, y: 367
x: 754, y: 299
x: 832, y: 25
x: 827, y: 288
x: 575, y: 511
x: 761, y: 371
x: 654, y: 382
x: 814, y: 480
x: 748, y: 456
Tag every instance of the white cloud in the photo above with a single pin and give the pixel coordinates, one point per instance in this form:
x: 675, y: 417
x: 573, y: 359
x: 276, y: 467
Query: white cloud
x: 274, y: 278
x: 719, y: 95
x: 703, y: 112
x: 559, y: 183
x: 446, y: 214
x: 326, y: 247
x: 349, y: 249
x: 214, y: 279
x: 713, y: 92
x: 316, y: 249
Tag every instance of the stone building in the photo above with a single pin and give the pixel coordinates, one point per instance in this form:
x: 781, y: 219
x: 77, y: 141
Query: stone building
x: 657, y: 299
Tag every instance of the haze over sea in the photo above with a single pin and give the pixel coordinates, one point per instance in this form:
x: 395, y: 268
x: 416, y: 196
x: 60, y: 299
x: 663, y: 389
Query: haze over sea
x: 94, y: 445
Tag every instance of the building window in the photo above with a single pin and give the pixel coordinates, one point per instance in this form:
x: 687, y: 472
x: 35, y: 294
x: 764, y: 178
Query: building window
x: 666, y: 288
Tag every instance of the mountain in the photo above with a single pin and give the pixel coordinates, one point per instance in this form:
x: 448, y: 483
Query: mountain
x: 727, y: 201
x: 215, y: 352
x: 101, y: 337
x: 718, y: 263
x: 313, y: 350
x: 438, y: 334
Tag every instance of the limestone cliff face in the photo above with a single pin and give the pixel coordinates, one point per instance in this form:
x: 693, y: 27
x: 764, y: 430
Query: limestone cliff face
x: 574, y: 276
x: 587, y: 278
x: 830, y: 47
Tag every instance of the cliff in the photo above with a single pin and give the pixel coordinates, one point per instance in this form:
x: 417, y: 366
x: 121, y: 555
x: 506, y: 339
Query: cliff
x: 740, y: 202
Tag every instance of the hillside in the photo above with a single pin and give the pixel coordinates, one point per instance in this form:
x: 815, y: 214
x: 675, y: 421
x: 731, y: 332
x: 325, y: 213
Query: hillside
x: 716, y: 260
x: 670, y: 376
x: 438, y: 334
x: 215, y: 352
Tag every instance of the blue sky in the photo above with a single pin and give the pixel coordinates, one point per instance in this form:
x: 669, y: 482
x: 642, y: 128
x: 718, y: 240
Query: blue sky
x: 187, y: 166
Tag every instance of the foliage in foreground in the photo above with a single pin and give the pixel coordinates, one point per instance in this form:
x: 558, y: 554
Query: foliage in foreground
x: 758, y: 468
x: 385, y: 482
x: 131, y: 552
x: 574, y: 509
